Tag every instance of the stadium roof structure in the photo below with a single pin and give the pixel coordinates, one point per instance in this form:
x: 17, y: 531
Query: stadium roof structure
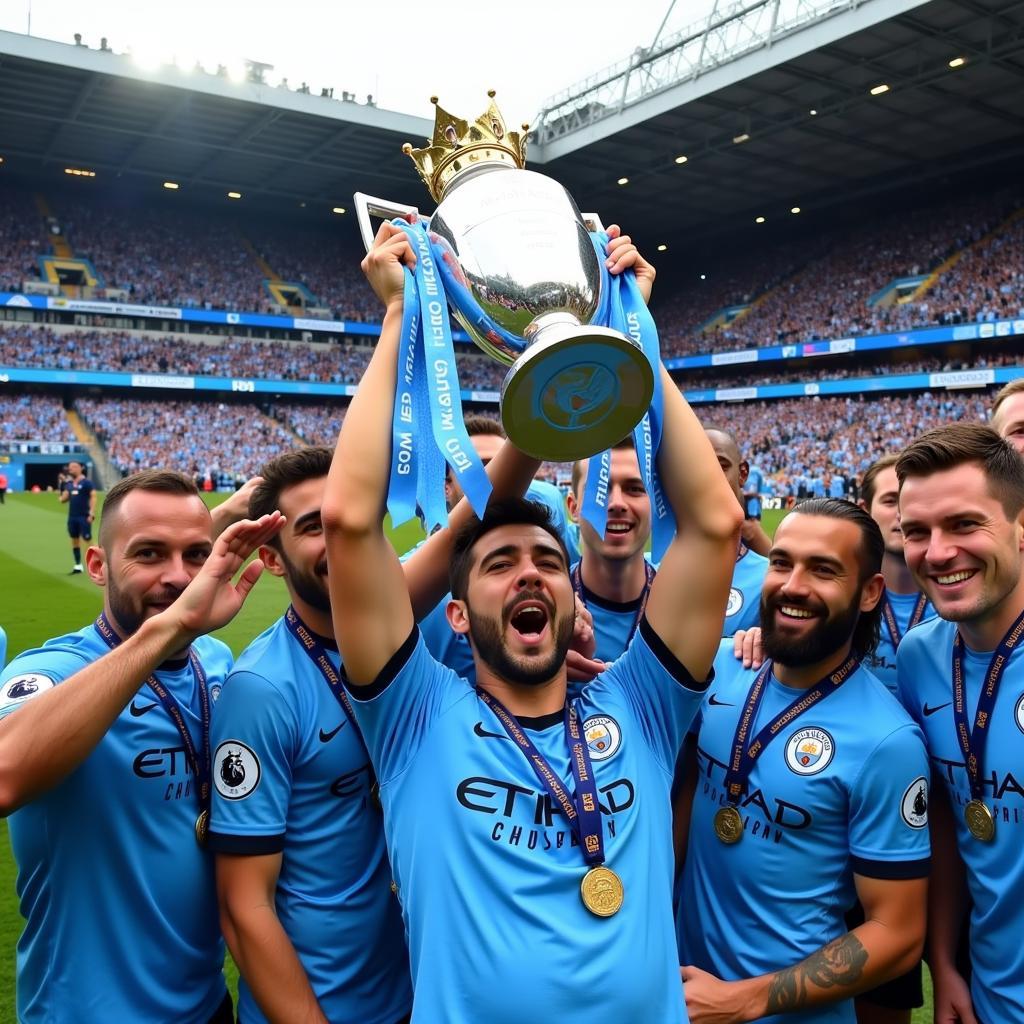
x: 775, y: 104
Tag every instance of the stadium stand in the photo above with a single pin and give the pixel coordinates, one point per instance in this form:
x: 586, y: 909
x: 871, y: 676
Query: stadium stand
x: 33, y: 418
x: 207, y: 440
x: 830, y: 295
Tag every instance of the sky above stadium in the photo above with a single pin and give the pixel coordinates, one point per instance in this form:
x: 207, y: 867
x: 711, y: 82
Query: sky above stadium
x: 401, y: 51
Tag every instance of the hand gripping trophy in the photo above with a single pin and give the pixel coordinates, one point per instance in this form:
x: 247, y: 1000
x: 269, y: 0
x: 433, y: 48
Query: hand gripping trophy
x: 527, y: 281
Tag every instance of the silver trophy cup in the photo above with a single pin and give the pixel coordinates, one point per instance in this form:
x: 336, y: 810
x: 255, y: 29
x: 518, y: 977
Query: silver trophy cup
x: 524, y: 280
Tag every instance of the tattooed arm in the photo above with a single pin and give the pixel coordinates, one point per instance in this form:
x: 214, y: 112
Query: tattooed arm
x: 889, y: 943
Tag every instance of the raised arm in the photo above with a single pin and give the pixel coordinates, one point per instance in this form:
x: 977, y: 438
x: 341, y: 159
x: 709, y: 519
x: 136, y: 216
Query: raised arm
x: 887, y: 944
x: 690, y: 592
x: 369, y: 596
x: 48, y: 737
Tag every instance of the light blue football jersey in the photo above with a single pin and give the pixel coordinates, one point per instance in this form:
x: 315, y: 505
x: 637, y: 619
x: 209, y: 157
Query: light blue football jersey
x: 995, y: 871
x: 744, y: 608
x: 840, y: 791
x: 553, y: 499
x: 489, y: 871
x: 119, y: 901
x: 614, y: 621
x: 291, y: 776
x: 882, y: 661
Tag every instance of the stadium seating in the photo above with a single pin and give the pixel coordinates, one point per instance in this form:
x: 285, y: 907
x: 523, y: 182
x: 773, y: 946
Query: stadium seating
x: 33, y: 418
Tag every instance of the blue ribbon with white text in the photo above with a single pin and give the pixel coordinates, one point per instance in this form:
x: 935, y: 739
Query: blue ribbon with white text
x: 427, y: 392
x: 623, y: 309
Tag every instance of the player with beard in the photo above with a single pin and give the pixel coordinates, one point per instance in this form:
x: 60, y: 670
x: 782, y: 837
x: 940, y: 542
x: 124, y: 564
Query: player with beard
x: 451, y: 648
x: 534, y: 866
x: 294, y: 790
x: 104, y: 770
x: 903, y: 605
x: 962, y: 677
x: 807, y: 788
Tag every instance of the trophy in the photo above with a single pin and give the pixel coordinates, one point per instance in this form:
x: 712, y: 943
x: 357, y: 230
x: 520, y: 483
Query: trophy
x: 524, y: 278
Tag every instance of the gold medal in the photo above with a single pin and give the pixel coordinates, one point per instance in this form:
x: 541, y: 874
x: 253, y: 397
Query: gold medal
x: 202, y: 827
x: 980, y: 822
x: 602, y: 891
x: 728, y: 825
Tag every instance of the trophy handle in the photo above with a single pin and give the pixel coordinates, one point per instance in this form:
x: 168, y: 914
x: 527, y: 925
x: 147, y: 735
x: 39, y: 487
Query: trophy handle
x: 592, y: 221
x: 370, y: 206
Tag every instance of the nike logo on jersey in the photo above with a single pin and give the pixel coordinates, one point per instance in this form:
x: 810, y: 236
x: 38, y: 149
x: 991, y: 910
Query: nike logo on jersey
x: 713, y: 699
x: 138, y: 710
x: 326, y: 737
x: 484, y: 734
x: 938, y: 707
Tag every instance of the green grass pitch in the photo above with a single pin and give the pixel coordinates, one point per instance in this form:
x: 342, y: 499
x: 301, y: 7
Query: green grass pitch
x: 38, y: 600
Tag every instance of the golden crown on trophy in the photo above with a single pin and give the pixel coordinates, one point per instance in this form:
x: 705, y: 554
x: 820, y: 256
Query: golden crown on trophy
x: 459, y: 146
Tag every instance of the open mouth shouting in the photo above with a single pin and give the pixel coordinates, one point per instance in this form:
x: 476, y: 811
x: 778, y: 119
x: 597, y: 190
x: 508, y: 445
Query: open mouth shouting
x: 529, y: 618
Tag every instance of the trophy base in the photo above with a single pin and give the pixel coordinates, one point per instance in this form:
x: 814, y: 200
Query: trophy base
x: 574, y: 392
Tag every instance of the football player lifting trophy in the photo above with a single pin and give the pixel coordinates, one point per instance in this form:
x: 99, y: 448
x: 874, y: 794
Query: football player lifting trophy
x: 510, y: 252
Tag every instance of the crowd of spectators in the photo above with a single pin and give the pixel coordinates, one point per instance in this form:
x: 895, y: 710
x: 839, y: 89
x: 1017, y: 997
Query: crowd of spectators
x: 802, y: 444
x: 210, y: 441
x: 164, y: 256
x: 326, y: 266
x: 22, y: 240
x: 829, y: 296
x: 812, y: 287
x: 313, y: 424
x: 33, y: 418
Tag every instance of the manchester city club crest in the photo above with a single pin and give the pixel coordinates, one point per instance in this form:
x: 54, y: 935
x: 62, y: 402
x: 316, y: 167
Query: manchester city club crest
x: 735, y: 602
x: 914, y: 805
x: 809, y: 751
x: 1018, y: 713
x: 604, y: 737
x: 236, y: 770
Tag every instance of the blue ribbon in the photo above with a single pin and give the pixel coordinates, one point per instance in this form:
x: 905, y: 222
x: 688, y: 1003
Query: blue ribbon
x: 427, y: 390
x: 623, y: 309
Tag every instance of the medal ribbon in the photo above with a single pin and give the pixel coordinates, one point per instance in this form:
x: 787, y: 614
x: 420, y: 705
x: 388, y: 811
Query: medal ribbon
x: 741, y: 552
x: 744, y: 755
x: 199, y: 761
x: 317, y: 654
x: 427, y: 392
x: 623, y: 309
x: 584, y: 813
x: 889, y: 615
x: 972, y: 741
x: 650, y: 573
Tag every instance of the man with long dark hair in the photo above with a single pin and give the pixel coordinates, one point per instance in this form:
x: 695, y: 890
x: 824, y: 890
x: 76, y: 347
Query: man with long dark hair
x: 806, y: 787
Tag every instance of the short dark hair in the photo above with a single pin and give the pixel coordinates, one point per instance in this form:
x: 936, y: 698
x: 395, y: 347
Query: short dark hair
x: 284, y: 471
x: 505, y: 512
x: 867, y: 632
x: 957, y: 444
x: 577, y: 466
x: 159, y: 481
x: 870, y: 481
x: 477, y: 423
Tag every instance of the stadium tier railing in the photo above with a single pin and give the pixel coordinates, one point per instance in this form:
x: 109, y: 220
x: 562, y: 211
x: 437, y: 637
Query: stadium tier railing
x: 954, y: 379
